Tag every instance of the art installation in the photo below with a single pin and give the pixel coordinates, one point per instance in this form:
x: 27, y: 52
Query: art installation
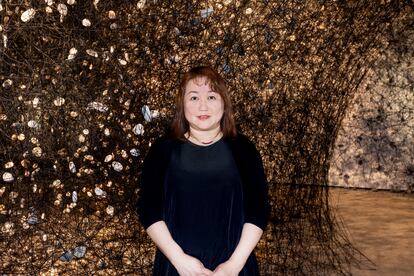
x: 87, y: 86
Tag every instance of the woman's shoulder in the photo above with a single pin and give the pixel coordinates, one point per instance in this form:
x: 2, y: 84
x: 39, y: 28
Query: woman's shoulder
x: 163, y: 142
x: 244, y: 148
x: 242, y: 142
x: 242, y: 139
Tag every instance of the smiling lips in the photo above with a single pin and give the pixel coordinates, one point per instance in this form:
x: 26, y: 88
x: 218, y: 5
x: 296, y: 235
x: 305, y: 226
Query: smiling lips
x: 203, y: 117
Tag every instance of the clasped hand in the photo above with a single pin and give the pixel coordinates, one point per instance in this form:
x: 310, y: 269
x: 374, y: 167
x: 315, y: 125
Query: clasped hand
x: 190, y: 266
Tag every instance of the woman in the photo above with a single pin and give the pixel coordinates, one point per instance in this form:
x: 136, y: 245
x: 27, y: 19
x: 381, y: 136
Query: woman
x: 203, y: 197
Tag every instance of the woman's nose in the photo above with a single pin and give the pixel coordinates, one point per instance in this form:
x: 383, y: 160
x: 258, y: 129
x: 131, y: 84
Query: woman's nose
x: 203, y: 105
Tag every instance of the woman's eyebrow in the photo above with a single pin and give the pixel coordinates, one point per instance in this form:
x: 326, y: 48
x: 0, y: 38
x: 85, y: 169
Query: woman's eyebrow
x: 196, y: 92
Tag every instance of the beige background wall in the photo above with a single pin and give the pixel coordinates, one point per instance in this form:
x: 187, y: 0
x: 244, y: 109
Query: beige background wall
x: 375, y: 146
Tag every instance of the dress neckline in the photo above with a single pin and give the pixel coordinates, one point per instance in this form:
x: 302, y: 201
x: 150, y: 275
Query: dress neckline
x: 206, y: 146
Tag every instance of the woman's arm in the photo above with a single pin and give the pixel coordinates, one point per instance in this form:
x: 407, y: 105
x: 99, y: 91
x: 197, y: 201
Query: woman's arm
x: 249, y: 238
x: 185, y: 264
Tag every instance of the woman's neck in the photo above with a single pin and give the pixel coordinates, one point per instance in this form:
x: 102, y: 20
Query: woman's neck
x: 204, y: 137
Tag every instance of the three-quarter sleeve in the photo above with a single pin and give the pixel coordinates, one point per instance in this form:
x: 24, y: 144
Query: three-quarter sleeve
x: 151, y: 188
x: 255, y: 188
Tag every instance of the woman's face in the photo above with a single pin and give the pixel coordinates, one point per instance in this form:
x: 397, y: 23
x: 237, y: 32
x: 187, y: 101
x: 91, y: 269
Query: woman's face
x: 203, y: 108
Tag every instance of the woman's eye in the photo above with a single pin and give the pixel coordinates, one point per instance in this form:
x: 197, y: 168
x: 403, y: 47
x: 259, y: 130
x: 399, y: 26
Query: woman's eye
x: 211, y: 97
x: 193, y: 98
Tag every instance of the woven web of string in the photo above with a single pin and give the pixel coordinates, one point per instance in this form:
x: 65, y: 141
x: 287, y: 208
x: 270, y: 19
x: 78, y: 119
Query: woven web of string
x: 75, y: 76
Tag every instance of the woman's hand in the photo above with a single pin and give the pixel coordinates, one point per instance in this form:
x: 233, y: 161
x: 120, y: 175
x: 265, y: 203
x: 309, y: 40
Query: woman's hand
x: 249, y: 238
x: 228, y: 268
x: 187, y: 265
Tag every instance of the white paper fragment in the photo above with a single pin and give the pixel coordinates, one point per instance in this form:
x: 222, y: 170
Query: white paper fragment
x: 110, y: 210
x: 71, y: 2
x: 32, y: 219
x: 206, y: 12
x: 79, y: 251
x: 134, y: 152
x: 4, y: 40
x: 86, y: 22
x: 111, y: 14
x: 7, y: 177
x: 33, y: 124
x: 7, y: 83
x: 35, y: 102
x: 97, y: 106
x: 127, y: 103
x: 72, y: 167
x: 138, y: 129
x: 108, y: 158
x: 122, y: 62
x: 249, y: 11
x: 9, y: 165
x: 7, y: 227
x: 100, y: 192
x: 155, y: 113
x: 72, y: 53
x: 113, y: 26
x: 74, y: 197
x: 95, y: 3
x: 28, y: 15
x: 56, y: 183
x: 37, y: 151
x: 59, y: 101
x: 147, y: 113
x: 62, y: 9
x: 107, y: 132
x: 89, y: 157
x: 66, y: 257
x: 92, y: 53
x: 117, y: 166
x: 49, y: 2
x: 141, y: 4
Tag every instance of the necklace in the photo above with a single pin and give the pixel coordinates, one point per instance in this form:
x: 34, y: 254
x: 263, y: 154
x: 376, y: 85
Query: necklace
x: 205, y: 143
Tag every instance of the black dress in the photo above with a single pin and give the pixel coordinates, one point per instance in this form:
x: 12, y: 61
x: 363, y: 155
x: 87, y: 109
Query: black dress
x: 203, y: 206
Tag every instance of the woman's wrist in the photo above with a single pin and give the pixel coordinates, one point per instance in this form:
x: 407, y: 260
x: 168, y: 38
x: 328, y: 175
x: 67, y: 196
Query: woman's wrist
x: 237, y: 262
x: 177, y: 257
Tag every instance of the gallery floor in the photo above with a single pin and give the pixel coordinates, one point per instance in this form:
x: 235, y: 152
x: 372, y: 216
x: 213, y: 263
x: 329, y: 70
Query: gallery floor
x: 381, y: 225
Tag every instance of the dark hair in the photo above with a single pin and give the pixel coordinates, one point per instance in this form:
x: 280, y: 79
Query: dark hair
x: 180, y: 125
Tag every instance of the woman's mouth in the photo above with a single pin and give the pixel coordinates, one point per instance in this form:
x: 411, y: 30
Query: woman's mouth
x: 203, y: 117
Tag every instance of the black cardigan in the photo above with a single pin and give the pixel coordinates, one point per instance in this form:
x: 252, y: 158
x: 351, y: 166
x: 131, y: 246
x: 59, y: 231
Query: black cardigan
x: 249, y: 164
